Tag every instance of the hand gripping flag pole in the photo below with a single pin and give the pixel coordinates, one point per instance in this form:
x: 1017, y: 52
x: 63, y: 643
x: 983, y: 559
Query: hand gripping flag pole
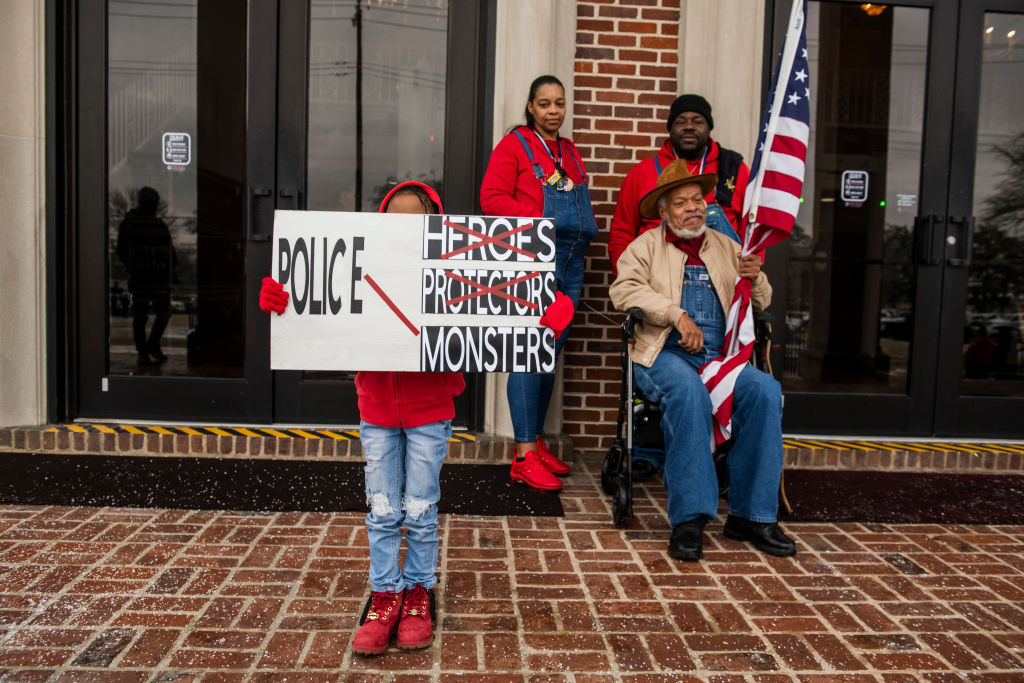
x: 770, y: 208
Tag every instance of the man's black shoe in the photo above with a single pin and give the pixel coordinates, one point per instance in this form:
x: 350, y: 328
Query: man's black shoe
x: 766, y: 536
x: 643, y: 470
x: 687, y: 541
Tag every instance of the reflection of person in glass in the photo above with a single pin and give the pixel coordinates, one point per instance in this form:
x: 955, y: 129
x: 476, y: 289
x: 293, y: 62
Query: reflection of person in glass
x: 144, y: 245
x: 980, y: 355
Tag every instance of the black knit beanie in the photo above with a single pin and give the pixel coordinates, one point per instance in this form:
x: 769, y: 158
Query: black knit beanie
x: 690, y: 103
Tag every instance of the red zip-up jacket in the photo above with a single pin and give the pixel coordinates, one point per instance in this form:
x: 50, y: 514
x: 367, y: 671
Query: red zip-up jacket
x: 510, y: 187
x: 408, y: 399
x: 627, y: 224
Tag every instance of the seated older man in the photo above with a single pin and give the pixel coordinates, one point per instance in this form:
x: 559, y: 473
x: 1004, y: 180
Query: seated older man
x: 682, y: 276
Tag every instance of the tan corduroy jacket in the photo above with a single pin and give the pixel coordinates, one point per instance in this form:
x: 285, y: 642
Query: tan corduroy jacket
x: 651, y: 278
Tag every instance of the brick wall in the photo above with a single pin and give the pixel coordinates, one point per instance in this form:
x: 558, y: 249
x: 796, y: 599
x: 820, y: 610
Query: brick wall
x: 625, y: 79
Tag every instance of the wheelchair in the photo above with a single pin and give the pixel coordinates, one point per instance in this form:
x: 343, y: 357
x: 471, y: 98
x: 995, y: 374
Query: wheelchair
x: 639, y: 423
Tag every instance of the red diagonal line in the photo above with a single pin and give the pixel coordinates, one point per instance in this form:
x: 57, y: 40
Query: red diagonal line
x: 487, y: 240
x: 486, y: 289
x: 390, y: 303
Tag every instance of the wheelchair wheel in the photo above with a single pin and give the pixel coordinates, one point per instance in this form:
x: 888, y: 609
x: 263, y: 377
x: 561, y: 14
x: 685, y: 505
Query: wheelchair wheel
x: 611, y: 467
x: 622, y: 503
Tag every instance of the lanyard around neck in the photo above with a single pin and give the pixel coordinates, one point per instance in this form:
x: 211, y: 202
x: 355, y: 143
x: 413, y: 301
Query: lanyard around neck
x: 544, y: 146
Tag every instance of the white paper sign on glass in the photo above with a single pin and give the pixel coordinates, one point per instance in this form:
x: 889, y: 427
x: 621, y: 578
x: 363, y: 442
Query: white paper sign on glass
x: 407, y: 292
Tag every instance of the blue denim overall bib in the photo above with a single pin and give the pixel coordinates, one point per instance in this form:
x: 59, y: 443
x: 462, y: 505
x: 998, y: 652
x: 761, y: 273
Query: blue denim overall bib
x: 530, y: 393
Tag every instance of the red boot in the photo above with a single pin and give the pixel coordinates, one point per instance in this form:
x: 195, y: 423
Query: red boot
x: 531, y: 471
x: 379, y: 623
x: 554, y: 464
x: 416, y: 628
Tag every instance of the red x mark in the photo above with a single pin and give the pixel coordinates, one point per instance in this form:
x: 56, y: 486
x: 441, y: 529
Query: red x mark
x: 485, y: 289
x: 485, y: 240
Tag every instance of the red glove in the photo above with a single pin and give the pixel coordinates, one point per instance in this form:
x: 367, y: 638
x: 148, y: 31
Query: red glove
x: 559, y: 314
x: 272, y: 296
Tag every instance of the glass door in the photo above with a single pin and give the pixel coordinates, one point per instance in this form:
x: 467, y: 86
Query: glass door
x: 172, y: 129
x: 981, y: 369
x: 854, y: 298
x: 901, y: 290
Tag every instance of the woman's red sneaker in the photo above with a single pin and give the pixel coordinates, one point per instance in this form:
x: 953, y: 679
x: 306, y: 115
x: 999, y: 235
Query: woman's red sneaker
x: 531, y: 471
x: 554, y: 464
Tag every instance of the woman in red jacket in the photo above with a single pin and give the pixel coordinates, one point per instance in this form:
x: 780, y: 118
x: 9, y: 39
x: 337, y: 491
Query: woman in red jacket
x: 405, y: 425
x: 534, y: 172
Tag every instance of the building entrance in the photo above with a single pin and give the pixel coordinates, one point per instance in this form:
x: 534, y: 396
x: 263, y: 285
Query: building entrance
x: 903, y: 284
x: 195, y: 121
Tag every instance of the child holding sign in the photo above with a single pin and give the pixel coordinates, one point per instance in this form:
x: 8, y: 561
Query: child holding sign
x: 405, y: 425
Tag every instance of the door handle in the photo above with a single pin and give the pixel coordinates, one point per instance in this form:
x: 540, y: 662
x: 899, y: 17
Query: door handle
x: 254, y: 194
x: 292, y: 195
x: 924, y: 228
x: 963, y: 240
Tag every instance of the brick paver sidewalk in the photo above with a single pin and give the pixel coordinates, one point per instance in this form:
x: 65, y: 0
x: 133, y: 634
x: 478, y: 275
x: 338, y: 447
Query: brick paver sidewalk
x: 108, y: 594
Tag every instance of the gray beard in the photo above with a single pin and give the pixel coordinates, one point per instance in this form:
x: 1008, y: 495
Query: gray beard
x: 687, y: 234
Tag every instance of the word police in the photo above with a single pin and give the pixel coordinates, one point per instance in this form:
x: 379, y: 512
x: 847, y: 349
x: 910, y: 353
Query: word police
x: 309, y: 267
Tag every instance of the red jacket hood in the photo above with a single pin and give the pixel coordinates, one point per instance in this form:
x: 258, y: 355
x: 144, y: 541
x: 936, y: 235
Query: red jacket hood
x: 431, y: 192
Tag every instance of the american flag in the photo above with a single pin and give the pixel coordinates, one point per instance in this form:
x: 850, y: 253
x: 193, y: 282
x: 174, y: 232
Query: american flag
x: 769, y: 209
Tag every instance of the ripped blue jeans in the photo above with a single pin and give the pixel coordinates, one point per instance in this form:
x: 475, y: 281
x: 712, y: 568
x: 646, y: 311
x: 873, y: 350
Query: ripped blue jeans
x: 403, y: 466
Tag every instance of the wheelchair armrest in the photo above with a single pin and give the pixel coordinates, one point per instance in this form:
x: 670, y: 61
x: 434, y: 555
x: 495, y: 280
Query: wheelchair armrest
x: 633, y: 316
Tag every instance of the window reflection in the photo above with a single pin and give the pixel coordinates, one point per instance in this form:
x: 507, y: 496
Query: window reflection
x: 993, y: 354
x: 850, y: 276
x: 376, y: 99
x: 175, y: 173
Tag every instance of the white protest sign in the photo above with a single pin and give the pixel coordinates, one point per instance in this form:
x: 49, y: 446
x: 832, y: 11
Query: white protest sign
x: 407, y: 292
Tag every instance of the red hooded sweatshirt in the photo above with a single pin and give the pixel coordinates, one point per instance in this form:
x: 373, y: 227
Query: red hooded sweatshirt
x: 408, y: 399
x: 627, y: 224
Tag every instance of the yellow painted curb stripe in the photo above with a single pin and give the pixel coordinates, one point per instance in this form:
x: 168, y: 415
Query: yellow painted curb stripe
x: 975, y: 447
x: 903, y: 447
x: 161, y: 430
x: 931, y: 447
x: 274, y: 432
x: 790, y: 443
x: 819, y: 444
x: 247, y: 432
x: 332, y: 435
x: 849, y: 444
x: 131, y: 429
x: 105, y: 429
x: 77, y: 428
x: 1011, y: 449
x: 190, y: 431
x: 304, y: 434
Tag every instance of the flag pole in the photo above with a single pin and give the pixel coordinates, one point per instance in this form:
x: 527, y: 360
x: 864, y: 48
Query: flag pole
x: 796, y: 23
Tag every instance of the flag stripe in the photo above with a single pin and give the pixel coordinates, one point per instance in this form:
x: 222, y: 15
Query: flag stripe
x: 770, y: 208
x: 779, y: 200
x: 787, y: 145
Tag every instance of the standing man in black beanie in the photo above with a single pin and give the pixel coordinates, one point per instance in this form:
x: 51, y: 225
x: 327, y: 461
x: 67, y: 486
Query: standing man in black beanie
x: 689, y: 137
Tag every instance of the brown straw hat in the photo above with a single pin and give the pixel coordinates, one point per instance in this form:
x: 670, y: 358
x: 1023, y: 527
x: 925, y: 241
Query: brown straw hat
x: 674, y: 175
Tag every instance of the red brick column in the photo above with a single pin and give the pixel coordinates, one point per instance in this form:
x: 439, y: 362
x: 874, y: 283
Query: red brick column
x: 624, y: 82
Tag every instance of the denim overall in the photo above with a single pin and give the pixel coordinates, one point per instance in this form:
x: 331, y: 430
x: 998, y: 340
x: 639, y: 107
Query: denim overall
x: 714, y: 215
x: 755, y: 461
x: 530, y: 393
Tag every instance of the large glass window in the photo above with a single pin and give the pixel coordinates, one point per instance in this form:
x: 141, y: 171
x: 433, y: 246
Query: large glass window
x: 175, y: 187
x: 994, y: 323
x: 851, y: 272
x: 376, y: 99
